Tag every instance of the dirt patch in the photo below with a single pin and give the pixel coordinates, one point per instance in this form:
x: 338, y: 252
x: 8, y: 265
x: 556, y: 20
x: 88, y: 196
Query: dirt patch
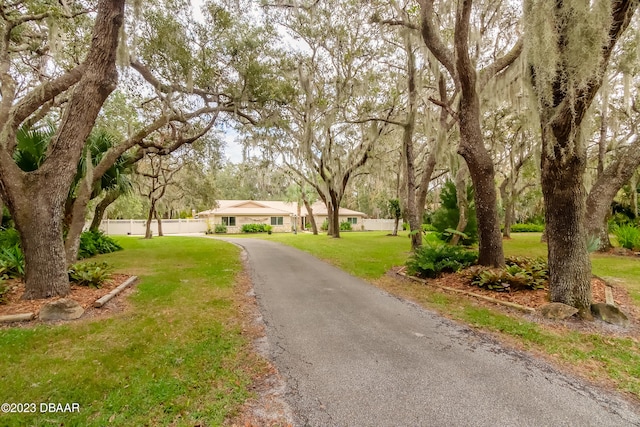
x: 267, y: 407
x: 84, y: 295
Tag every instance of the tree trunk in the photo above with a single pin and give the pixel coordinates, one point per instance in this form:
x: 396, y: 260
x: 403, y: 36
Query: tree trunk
x: 38, y: 218
x: 472, y: 147
x: 423, y: 190
x: 609, y: 182
x: 508, y: 218
x: 415, y: 229
x: 108, y: 199
x: 633, y: 183
x: 604, y: 125
x: 159, y: 220
x: 395, y: 226
x: 508, y: 198
x: 564, y: 156
x: 415, y: 218
x: 334, y: 219
x: 314, y: 226
x: 564, y: 202
x: 36, y: 199
x: 463, y: 204
x: 75, y: 218
x: 482, y: 174
x: 152, y: 209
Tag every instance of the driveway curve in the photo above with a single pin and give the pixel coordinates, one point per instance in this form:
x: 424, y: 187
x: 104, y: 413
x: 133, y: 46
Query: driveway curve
x: 353, y: 355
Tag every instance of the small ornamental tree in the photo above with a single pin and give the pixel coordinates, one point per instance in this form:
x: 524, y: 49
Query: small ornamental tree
x: 447, y: 216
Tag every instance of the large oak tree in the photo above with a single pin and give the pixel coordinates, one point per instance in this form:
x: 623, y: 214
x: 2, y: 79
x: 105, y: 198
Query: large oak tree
x: 36, y: 199
x: 569, y: 44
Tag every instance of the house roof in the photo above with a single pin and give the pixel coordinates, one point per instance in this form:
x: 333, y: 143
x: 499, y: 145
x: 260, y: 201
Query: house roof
x: 268, y: 207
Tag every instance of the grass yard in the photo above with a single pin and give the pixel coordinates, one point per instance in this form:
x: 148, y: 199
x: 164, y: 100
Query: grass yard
x: 175, y: 357
x: 364, y: 254
x: 622, y: 268
x: 606, y: 359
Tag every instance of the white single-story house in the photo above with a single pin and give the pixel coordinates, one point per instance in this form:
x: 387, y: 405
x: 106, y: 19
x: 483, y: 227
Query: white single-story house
x: 280, y: 215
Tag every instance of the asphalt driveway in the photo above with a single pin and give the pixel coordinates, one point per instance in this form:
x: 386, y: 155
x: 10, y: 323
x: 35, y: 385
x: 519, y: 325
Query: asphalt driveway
x: 352, y: 355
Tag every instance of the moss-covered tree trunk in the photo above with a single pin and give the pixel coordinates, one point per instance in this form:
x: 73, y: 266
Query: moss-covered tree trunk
x: 564, y: 202
x: 480, y: 164
x: 413, y: 212
x: 565, y: 89
x: 462, y: 69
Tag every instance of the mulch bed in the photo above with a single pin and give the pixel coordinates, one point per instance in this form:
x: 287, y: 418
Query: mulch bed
x: 84, y: 295
x: 537, y: 298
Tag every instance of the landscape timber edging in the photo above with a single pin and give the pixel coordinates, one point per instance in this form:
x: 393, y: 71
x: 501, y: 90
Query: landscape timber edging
x: 20, y: 317
x: 473, y: 294
x: 103, y: 300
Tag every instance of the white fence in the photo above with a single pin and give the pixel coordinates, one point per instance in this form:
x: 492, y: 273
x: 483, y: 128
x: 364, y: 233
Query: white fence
x: 378, y: 224
x: 138, y: 226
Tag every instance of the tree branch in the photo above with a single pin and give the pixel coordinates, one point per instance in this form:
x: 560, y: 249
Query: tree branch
x: 446, y: 107
x: 499, y: 64
x: 432, y: 39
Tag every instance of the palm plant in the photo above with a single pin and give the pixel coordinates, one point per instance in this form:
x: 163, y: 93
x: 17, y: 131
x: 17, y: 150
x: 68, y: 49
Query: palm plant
x: 31, y: 147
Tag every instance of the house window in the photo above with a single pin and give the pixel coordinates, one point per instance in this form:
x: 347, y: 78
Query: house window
x: 352, y: 220
x: 229, y: 220
x: 277, y: 220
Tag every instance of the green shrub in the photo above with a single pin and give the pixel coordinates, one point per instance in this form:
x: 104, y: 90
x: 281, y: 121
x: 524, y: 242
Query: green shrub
x: 628, y: 236
x: 432, y: 259
x: 527, y: 228
x: 254, y: 228
x: 92, y: 274
x: 345, y: 226
x: 428, y: 227
x: 325, y: 225
x: 12, y: 262
x: 87, y: 247
x: 519, y: 273
x: 447, y: 216
x: 9, y: 238
x: 220, y: 229
x: 96, y: 242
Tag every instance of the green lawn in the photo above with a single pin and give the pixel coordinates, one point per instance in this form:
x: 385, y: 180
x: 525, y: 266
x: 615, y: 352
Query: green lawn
x: 610, y: 360
x: 624, y: 269
x: 176, y: 357
x: 371, y: 254
x: 364, y: 254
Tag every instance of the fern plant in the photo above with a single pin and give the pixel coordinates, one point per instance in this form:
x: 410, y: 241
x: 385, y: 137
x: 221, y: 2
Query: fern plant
x: 12, y: 262
x: 519, y: 273
x: 92, y: 274
x: 433, y: 259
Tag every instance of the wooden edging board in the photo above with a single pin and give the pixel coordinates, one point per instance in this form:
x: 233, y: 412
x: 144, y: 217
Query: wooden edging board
x: 20, y: 317
x: 25, y: 317
x: 473, y: 294
x: 102, y: 301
